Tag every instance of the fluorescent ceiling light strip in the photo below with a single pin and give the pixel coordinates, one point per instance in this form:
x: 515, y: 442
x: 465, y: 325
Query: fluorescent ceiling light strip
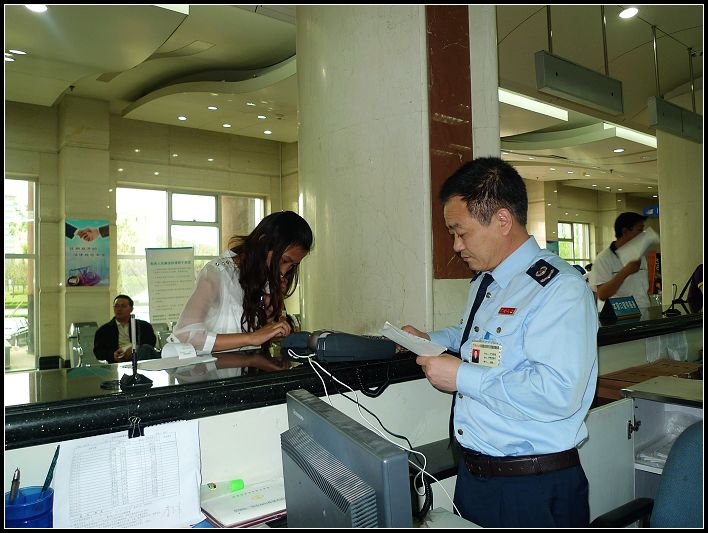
x: 523, y: 102
x: 631, y: 135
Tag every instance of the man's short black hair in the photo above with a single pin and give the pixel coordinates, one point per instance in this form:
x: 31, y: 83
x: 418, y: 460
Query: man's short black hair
x: 627, y: 220
x: 130, y: 300
x: 488, y: 184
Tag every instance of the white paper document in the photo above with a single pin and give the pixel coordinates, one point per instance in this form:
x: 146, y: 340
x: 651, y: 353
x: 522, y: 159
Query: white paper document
x: 115, y: 481
x: 637, y: 247
x: 415, y: 344
x: 249, y: 506
x: 175, y: 355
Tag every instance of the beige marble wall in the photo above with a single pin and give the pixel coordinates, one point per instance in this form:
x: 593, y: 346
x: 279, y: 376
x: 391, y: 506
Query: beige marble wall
x: 364, y: 166
x: 75, y: 151
x: 681, y: 207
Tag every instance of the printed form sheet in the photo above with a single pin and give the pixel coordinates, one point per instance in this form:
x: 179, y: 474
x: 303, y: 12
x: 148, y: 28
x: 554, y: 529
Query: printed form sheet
x: 115, y: 481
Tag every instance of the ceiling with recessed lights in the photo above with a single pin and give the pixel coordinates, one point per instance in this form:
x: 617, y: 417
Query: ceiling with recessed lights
x: 233, y: 69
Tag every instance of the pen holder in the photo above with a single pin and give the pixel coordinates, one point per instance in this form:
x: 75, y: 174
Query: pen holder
x: 31, y: 508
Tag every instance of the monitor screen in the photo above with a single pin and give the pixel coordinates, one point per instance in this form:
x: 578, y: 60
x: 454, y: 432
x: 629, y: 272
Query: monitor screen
x: 338, y: 473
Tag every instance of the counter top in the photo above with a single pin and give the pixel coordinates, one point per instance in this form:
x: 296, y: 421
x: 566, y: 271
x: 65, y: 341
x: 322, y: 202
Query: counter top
x: 45, y: 406
x: 62, y: 409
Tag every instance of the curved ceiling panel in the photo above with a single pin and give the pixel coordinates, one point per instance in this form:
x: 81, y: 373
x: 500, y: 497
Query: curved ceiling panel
x: 269, y: 93
x: 103, y: 39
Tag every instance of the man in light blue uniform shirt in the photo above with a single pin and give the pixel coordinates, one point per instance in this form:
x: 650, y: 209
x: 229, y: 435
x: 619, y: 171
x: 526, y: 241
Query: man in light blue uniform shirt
x: 527, y: 370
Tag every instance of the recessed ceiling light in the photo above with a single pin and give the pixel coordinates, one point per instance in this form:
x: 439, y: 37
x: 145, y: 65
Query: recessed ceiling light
x: 182, y: 117
x: 120, y: 170
x: 549, y: 205
x: 175, y: 155
x: 594, y: 184
x: 606, y: 187
x: 137, y: 150
x: 212, y: 107
x: 649, y: 187
x: 210, y: 159
x: 18, y: 52
x: 570, y: 172
x: 531, y: 158
x: 628, y: 13
x: 619, y: 189
x: 267, y: 132
x: 555, y: 190
x: 227, y: 125
x: 262, y: 117
x: 9, y: 58
x: 250, y: 103
x: 655, y: 196
x: 566, y: 212
x: 156, y: 173
x: 618, y: 150
x: 37, y: 8
x: 552, y: 168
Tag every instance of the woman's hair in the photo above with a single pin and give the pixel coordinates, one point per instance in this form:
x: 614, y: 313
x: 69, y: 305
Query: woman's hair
x: 275, y: 233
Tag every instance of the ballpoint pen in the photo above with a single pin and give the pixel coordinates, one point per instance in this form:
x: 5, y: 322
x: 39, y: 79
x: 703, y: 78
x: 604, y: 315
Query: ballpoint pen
x: 50, y: 474
x: 15, y: 485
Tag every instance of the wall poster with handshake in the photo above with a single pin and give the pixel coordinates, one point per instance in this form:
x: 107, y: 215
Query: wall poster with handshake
x: 87, y: 252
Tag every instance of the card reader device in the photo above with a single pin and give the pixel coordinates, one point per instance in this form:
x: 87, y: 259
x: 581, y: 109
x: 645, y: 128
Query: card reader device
x: 336, y: 346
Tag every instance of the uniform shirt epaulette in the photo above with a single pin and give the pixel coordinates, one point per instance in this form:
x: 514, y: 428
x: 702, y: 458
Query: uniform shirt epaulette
x: 542, y: 272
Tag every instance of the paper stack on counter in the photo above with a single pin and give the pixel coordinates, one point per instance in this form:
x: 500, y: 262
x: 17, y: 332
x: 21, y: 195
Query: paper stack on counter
x: 249, y: 506
x: 175, y: 355
x: 637, y: 247
x: 415, y: 344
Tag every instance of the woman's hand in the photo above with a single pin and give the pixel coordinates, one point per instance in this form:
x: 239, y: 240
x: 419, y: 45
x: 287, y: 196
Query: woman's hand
x: 269, y: 331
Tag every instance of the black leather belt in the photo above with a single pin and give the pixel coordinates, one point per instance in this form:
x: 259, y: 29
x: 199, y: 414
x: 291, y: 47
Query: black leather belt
x: 523, y: 465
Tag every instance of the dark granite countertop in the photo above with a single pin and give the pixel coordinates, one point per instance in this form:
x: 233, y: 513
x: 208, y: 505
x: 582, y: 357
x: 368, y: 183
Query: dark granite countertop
x: 53, y: 405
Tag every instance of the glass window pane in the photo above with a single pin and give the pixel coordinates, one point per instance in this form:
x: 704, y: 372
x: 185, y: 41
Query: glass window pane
x: 565, y: 250
x: 193, y: 207
x: 19, y: 312
x: 239, y: 216
x: 565, y: 231
x: 204, y: 239
x: 19, y: 217
x: 132, y: 279
x: 581, y: 246
x: 141, y: 218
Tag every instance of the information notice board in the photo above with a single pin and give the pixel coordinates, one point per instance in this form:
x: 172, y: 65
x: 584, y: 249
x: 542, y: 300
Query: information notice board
x: 170, y: 273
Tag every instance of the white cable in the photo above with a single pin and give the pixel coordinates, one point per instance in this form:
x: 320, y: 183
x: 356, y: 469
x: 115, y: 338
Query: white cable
x: 376, y: 430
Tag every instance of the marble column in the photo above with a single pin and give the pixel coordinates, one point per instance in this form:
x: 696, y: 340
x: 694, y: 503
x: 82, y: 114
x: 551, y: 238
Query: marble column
x: 364, y: 166
x: 680, y: 166
x: 84, y: 183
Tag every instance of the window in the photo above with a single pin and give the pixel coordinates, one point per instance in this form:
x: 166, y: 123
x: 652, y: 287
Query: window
x: 20, y: 275
x: 574, y: 242
x: 165, y: 219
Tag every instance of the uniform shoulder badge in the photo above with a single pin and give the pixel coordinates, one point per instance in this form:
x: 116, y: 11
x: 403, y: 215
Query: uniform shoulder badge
x: 542, y: 272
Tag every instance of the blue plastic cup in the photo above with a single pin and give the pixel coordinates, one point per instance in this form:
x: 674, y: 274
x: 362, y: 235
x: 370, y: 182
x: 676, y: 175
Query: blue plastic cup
x: 31, y: 508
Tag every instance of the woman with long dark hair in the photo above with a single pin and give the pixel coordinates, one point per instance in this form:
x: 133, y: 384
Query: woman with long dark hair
x: 238, y: 300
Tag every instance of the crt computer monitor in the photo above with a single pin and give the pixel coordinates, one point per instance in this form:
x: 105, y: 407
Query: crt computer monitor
x: 338, y: 473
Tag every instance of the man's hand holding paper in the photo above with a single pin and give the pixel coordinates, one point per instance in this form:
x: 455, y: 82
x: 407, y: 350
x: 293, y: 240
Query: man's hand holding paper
x: 412, y: 340
x: 636, y: 248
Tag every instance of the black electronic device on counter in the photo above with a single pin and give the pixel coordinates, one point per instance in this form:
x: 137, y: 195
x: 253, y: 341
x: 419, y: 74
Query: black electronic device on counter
x: 336, y: 346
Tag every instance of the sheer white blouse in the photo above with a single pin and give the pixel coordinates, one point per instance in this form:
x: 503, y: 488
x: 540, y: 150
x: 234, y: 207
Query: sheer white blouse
x: 216, y: 306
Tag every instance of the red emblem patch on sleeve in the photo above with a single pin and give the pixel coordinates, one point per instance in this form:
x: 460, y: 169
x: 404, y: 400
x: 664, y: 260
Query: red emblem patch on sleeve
x: 507, y: 310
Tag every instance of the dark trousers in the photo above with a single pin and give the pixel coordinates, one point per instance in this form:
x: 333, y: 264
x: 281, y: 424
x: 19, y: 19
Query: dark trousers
x: 555, y: 499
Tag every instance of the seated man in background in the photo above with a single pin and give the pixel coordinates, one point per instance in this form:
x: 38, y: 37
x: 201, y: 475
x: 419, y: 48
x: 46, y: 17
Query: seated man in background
x: 113, y: 339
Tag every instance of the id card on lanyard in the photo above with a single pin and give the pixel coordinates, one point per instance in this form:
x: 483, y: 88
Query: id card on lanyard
x: 486, y: 353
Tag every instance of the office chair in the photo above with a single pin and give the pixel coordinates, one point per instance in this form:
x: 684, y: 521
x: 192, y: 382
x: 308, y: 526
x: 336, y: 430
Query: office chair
x: 679, y: 496
x: 81, y: 335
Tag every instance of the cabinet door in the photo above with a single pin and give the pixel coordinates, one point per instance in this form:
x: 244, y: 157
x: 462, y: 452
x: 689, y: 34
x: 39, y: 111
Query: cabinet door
x: 607, y: 456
